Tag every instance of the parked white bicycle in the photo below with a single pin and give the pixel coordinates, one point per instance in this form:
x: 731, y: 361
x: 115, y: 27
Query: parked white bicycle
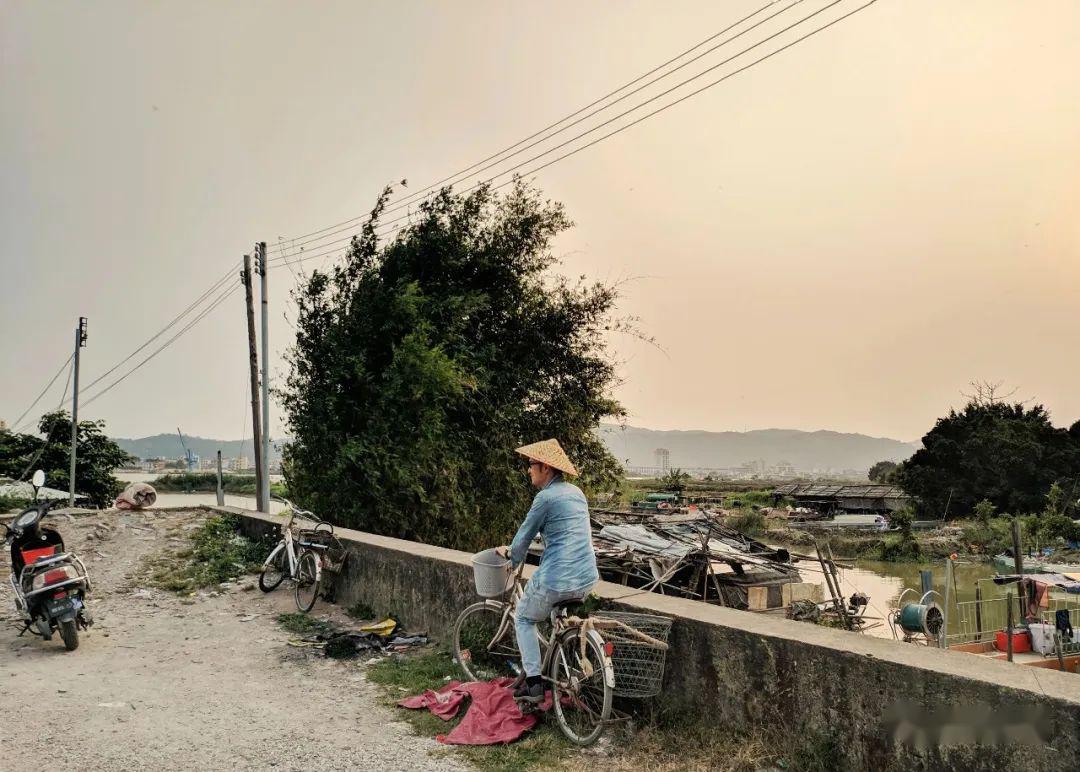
x: 298, y: 557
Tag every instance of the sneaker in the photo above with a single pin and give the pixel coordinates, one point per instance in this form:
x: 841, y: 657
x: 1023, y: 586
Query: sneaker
x: 526, y: 693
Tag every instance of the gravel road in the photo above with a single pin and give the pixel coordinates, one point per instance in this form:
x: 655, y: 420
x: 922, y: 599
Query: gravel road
x: 205, y: 683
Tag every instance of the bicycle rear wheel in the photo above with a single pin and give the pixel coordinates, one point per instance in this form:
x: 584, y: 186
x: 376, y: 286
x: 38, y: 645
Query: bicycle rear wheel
x: 275, y: 570
x: 583, y: 686
x: 308, y: 579
x: 484, y: 641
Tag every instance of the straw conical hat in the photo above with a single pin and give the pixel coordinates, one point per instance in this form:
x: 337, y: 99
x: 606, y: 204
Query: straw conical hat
x: 551, y: 453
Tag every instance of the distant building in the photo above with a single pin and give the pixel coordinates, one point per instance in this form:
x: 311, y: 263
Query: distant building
x: 849, y: 499
x: 784, y: 469
x: 663, y: 459
x: 239, y: 464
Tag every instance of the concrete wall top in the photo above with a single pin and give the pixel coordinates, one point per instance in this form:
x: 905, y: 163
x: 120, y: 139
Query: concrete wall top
x: 997, y: 673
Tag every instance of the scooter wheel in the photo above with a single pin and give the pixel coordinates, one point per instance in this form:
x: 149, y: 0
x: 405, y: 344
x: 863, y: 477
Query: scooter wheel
x: 70, y: 634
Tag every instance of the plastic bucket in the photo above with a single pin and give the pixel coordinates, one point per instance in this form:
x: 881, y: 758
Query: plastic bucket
x: 491, y: 573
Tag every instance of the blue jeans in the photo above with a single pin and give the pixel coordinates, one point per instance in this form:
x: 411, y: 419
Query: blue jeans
x: 535, y: 606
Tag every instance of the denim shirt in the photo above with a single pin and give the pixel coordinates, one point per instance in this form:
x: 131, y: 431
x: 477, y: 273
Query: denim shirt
x: 560, y: 514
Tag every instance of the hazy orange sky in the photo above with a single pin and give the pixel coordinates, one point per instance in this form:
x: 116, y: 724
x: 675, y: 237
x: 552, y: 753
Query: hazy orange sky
x: 841, y: 237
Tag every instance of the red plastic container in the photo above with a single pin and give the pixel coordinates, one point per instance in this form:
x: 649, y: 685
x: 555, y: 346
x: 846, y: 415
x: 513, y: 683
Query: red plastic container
x: 1021, y: 641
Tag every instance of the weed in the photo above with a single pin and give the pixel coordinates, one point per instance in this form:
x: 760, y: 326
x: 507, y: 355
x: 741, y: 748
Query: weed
x: 749, y: 522
x: 302, y: 624
x: 218, y: 553
x: 669, y: 742
x: 360, y: 610
x: 13, y: 504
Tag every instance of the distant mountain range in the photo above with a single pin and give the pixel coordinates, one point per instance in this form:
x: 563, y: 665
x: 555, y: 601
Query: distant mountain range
x: 168, y: 446
x: 636, y: 447
x: 805, y: 451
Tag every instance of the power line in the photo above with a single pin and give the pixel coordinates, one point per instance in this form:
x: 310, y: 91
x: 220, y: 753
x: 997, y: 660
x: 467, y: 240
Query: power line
x: 411, y: 197
x: 55, y: 421
x: 217, y: 302
x: 18, y: 422
x: 662, y: 94
x: 647, y: 115
x: 166, y: 328
x: 284, y: 256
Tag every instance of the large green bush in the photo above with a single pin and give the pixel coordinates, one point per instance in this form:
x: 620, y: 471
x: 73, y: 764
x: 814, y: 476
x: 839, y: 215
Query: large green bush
x: 420, y: 364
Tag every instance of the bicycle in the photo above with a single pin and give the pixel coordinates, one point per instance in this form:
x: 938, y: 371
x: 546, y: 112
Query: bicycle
x: 297, y: 558
x: 576, y: 660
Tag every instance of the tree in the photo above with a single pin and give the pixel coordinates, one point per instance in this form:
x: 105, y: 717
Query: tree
x: 421, y: 363
x: 98, y: 456
x: 1005, y: 453
x: 675, y: 481
x: 882, y: 472
x: 1053, y: 522
x: 984, y: 511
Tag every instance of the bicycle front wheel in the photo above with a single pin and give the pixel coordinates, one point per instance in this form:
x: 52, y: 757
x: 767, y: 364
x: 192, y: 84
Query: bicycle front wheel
x: 308, y: 579
x: 484, y: 642
x: 583, y: 686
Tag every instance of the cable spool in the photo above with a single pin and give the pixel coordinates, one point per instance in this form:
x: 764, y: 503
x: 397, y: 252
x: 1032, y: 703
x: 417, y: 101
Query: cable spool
x: 921, y: 618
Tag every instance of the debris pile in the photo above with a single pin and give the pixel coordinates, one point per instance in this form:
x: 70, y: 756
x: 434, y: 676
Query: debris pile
x: 691, y: 555
x: 379, y: 637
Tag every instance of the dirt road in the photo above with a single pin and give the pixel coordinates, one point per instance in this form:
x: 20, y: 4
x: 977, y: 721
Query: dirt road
x: 203, y: 683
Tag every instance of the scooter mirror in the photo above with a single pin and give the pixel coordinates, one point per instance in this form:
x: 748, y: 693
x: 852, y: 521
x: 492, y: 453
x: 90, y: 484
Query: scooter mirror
x: 38, y: 479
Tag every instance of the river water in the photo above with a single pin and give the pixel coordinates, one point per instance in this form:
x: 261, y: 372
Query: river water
x: 173, y: 499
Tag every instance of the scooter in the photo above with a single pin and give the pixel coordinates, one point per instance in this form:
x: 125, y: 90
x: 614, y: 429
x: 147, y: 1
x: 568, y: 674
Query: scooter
x: 50, y: 584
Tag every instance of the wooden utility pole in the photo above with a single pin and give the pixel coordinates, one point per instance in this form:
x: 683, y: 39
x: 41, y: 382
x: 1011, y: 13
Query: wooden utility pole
x: 254, y: 363
x: 1018, y: 564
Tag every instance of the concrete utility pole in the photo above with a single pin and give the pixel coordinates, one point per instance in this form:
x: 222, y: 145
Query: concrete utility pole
x: 220, y: 490
x: 80, y: 341
x: 245, y: 276
x: 264, y: 501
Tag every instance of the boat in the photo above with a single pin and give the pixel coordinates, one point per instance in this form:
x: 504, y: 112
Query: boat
x: 1034, y: 565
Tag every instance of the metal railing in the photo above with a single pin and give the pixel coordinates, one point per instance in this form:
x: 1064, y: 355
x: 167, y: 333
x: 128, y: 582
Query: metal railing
x: 974, y: 621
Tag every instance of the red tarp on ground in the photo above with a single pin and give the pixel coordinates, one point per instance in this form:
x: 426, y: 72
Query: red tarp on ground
x: 493, y: 716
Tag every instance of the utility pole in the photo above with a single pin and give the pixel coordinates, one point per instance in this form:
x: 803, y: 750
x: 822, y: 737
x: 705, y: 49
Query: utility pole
x: 220, y: 490
x: 253, y: 356
x: 80, y: 341
x: 264, y: 500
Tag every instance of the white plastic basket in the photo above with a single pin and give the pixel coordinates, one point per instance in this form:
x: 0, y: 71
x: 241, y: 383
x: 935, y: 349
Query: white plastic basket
x: 491, y: 573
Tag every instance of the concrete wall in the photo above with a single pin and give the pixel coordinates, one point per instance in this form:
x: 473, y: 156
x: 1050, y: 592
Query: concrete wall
x: 737, y: 669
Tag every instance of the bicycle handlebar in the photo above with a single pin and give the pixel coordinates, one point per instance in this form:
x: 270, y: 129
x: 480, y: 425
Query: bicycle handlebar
x: 305, y: 513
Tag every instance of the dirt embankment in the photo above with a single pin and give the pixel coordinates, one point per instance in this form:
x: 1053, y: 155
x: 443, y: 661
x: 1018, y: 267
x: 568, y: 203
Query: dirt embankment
x: 205, y: 682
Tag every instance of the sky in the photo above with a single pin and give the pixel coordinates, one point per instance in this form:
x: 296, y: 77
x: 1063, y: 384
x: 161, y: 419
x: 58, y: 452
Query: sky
x: 841, y: 237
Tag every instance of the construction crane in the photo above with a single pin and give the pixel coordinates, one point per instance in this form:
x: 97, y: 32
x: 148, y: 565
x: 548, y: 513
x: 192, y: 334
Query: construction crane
x: 191, y: 459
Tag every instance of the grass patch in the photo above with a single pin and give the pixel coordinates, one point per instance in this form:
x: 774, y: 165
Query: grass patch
x: 302, y: 624
x: 749, y: 522
x: 668, y: 743
x: 403, y: 676
x: 218, y: 553
x: 13, y: 504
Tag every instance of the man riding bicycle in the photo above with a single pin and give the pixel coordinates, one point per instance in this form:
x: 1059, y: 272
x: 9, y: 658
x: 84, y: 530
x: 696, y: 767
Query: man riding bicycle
x: 560, y: 514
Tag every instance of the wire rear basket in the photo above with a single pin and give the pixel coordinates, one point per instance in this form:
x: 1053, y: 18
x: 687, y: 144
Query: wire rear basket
x: 638, y: 665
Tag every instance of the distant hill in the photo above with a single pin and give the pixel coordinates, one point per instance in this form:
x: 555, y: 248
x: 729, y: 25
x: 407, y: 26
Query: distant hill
x: 806, y: 451
x: 168, y: 446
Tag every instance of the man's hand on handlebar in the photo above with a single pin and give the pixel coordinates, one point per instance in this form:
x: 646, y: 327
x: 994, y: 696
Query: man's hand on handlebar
x: 503, y: 551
